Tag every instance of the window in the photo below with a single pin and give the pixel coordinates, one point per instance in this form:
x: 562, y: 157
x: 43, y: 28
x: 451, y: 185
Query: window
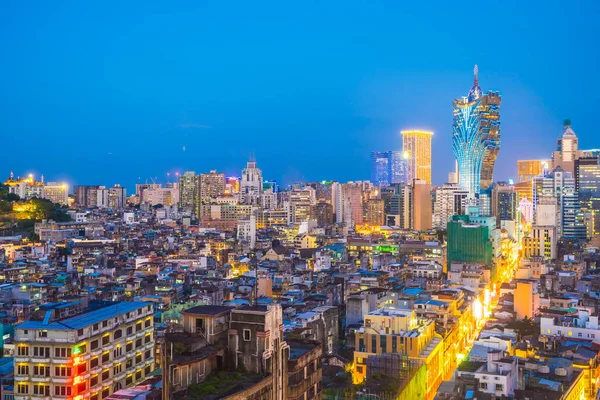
x: 94, y: 381
x: 94, y: 362
x: 23, y: 388
x: 81, y: 368
x: 117, y: 369
x: 128, y: 380
x: 483, y: 385
x: 23, y: 351
x: 79, y: 332
x: 95, y: 327
x: 25, y: 332
x: 105, y: 374
x: 147, y: 370
x: 117, y: 352
x: 105, y: 392
x: 62, y: 371
x: 118, y: 334
x: 138, y: 343
x: 105, y: 340
x: 579, y: 334
x: 61, y: 352
x: 247, y: 335
x: 81, y: 387
x: 138, y: 327
x: 129, y: 330
x: 129, y: 363
x: 147, y: 338
x: 40, y: 389
x: 359, y: 369
x: 40, y: 370
x: 129, y: 347
x: 62, y: 391
x: 94, y: 396
x: 41, y: 352
x: 104, y: 324
x: 138, y: 374
x: 499, y: 387
x: 147, y: 323
x: 22, y: 369
x: 94, y: 345
x: 42, y: 334
x: 147, y: 355
x: 138, y: 358
x: 105, y: 357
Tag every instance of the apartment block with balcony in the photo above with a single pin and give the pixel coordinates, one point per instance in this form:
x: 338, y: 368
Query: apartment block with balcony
x: 77, y: 350
x: 305, y: 370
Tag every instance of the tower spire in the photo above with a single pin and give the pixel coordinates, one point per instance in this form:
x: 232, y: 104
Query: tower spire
x: 476, y: 75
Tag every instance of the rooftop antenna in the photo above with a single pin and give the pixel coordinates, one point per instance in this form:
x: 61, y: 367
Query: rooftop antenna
x: 476, y: 75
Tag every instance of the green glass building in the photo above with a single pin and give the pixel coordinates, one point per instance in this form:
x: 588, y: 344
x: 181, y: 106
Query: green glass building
x: 468, y: 242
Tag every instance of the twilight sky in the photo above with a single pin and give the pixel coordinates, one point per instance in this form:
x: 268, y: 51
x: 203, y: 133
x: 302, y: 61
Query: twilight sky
x: 120, y: 91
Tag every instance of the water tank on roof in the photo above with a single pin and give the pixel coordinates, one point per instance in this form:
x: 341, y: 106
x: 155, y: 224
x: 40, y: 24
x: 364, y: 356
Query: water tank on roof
x: 560, y: 371
x: 544, y: 369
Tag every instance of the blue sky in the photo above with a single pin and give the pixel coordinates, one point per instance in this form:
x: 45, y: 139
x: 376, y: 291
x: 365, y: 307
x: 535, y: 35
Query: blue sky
x: 119, y: 92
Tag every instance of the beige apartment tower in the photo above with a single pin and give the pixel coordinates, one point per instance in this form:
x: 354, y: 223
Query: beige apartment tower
x: 416, y: 146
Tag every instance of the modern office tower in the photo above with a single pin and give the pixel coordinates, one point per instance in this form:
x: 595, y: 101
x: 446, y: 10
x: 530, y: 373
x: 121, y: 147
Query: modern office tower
x: 388, y: 168
x: 529, y: 169
x: 25, y: 188
x: 449, y: 201
x: 421, y: 205
x: 251, y: 184
x: 256, y: 342
x: 587, y: 182
x: 323, y: 213
x: 212, y: 185
x: 469, y: 241
x: 70, y: 350
x: 541, y: 242
x: 349, y: 204
x: 476, y: 137
x: 398, y: 209
x: 375, y: 215
x: 566, y: 150
x: 416, y: 146
x: 559, y: 186
x: 504, y: 203
x: 189, y: 184
x: 300, y: 204
x: 57, y: 192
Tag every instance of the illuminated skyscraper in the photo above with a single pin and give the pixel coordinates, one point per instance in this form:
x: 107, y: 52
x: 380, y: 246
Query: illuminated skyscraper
x: 189, y: 184
x: 416, y: 146
x: 388, y: 168
x: 476, y: 138
x: 252, y: 183
x: 528, y: 169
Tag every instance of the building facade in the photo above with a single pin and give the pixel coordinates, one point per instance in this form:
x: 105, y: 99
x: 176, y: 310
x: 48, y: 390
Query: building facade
x: 251, y: 185
x: 388, y: 168
x: 62, y: 354
x: 188, y: 191
x: 416, y: 148
x: 476, y: 137
x: 57, y: 192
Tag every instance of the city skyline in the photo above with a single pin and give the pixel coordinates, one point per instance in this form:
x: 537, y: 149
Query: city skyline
x: 170, y: 93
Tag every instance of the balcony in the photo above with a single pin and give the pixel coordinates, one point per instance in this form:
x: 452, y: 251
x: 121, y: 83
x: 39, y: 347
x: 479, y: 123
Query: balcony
x: 44, y: 379
x: 40, y: 360
x: 120, y: 376
x: 62, y: 380
x: 295, y: 390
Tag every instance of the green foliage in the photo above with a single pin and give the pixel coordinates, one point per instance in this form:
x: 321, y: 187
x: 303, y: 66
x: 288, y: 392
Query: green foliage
x: 5, y: 207
x: 524, y: 327
x: 214, y: 383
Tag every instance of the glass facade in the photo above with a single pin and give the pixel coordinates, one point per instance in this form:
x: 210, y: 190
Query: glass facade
x: 388, y: 168
x: 468, y: 242
x: 476, y: 138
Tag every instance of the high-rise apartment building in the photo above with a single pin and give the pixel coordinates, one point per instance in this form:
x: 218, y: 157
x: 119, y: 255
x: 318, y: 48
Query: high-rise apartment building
x: 375, y: 214
x: 567, y: 150
x: 529, y: 169
x: 476, y: 137
x: 587, y: 182
x: 74, y: 351
x: 300, y: 205
x: 398, y: 207
x: 323, y: 213
x: 251, y: 185
x: 188, y: 191
x: 57, y: 192
x: 421, y: 205
x: 416, y: 146
x: 559, y: 186
x: 504, y: 203
x: 212, y: 185
x: 449, y: 201
x: 388, y: 168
